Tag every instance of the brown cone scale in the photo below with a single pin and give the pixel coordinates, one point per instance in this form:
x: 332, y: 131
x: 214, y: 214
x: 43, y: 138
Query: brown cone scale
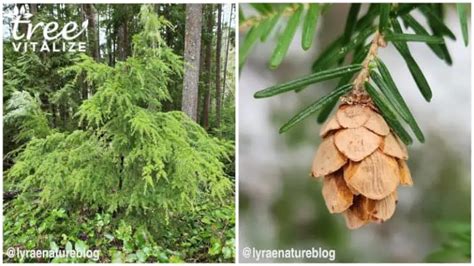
x: 362, y: 162
x: 377, y: 124
x: 376, y: 176
x: 328, y: 158
x: 337, y: 195
x: 356, y: 143
x: 329, y: 126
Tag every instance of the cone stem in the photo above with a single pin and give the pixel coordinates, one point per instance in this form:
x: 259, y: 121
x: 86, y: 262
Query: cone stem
x: 358, y: 93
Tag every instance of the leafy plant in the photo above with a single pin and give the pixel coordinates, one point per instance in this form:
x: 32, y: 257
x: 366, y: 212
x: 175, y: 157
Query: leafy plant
x: 205, y: 235
x: 356, y: 48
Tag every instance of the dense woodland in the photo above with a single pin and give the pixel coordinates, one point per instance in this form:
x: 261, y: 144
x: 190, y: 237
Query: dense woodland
x: 129, y: 147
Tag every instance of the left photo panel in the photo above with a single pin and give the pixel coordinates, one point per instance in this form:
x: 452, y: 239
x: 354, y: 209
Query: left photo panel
x: 119, y: 133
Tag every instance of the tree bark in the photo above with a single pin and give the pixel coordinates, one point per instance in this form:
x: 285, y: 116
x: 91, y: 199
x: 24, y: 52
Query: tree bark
x: 218, y: 66
x: 114, y: 51
x: 227, y: 50
x: 33, y: 8
x: 122, y: 41
x: 90, y: 14
x: 201, y: 67
x: 192, y: 47
x: 122, y: 37
x: 108, y: 34
x: 82, y: 76
x: 208, y: 67
x: 93, y: 42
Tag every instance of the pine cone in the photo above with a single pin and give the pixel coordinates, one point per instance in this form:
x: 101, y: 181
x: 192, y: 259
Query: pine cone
x: 363, y: 163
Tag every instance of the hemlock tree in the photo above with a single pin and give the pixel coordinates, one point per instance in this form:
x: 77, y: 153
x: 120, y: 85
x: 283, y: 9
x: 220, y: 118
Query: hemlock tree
x: 46, y: 95
x: 130, y: 158
x: 192, y: 49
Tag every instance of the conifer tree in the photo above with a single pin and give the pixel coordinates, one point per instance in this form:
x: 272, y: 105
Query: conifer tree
x: 131, y: 158
x: 97, y: 155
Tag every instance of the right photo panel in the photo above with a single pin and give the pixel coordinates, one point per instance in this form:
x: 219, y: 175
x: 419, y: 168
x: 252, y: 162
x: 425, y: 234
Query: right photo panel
x: 354, y: 132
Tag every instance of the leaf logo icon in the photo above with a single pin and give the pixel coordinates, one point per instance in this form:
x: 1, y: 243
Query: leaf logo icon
x: 19, y: 13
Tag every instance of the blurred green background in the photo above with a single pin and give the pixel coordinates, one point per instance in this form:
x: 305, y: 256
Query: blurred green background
x: 281, y: 207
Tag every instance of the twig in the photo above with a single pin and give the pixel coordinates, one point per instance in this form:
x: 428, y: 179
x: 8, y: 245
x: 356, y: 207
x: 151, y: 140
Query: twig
x: 358, y: 93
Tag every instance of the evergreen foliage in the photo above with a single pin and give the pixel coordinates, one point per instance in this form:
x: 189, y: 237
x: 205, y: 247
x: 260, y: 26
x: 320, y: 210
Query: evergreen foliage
x: 24, y: 111
x: 356, y: 47
x: 146, y: 175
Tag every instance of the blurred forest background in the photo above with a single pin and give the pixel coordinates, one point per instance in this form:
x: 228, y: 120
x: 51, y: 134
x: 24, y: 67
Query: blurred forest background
x: 281, y: 206
x: 135, y: 53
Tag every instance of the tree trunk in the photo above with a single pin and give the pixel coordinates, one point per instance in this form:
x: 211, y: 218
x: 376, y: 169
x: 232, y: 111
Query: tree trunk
x: 114, y: 50
x: 108, y: 34
x: 90, y: 13
x: 122, y: 38
x: 201, y: 69
x: 218, y: 66
x: 192, y: 47
x: 93, y: 42
x: 227, y: 49
x: 208, y: 67
x: 33, y: 8
x: 122, y: 41
x: 82, y: 77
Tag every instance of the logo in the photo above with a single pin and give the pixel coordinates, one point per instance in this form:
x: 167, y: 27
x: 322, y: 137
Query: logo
x: 55, y: 37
